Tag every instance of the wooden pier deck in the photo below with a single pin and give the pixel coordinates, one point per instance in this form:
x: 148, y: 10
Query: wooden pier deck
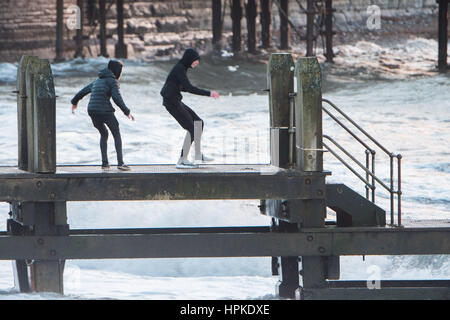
x: 160, y: 182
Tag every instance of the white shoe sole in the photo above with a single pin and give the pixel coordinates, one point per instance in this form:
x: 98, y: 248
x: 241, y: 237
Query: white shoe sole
x: 186, y: 166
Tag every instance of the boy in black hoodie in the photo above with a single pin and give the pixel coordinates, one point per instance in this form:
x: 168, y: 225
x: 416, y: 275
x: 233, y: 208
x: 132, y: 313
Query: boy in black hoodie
x: 177, y: 81
x: 101, y: 110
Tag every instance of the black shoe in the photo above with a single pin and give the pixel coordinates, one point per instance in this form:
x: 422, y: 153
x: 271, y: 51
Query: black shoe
x: 124, y: 167
x: 106, y: 166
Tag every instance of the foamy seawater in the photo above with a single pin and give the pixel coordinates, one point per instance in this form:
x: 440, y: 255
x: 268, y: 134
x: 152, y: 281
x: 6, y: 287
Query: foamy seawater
x: 411, y: 117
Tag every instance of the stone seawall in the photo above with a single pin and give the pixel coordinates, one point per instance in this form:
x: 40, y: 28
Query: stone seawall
x: 161, y: 29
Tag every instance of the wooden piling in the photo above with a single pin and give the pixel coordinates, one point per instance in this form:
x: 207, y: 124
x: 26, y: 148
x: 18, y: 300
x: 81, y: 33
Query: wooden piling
x: 121, y: 48
x: 236, y: 16
x: 442, y: 35
x: 308, y: 120
x: 37, y: 136
x: 79, y: 32
x: 217, y: 24
x: 266, y: 20
x: 41, y: 114
x: 102, y: 21
x: 59, y: 29
x: 280, y: 77
x: 285, y: 37
x: 251, y: 10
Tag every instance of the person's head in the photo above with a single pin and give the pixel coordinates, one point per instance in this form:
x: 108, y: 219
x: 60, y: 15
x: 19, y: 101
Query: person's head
x: 116, y: 68
x: 190, y: 58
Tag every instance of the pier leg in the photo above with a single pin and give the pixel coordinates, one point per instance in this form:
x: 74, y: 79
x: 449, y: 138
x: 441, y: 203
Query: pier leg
x: 50, y: 219
x: 250, y: 11
x: 310, y: 28
x: 59, y: 29
x: 217, y: 24
x: 284, y: 25
x: 308, y: 116
x: 443, y: 35
x: 79, y: 34
x: 121, y: 48
x: 266, y: 19
x: 329, y: 30
x: 102, y: 20
x: 236, y: 16
x: 280, y: 77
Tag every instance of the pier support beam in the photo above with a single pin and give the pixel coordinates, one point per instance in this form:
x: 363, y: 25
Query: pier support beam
x: 79, y: 34
x: 236, y: 16
x: 442, y: 35
x: 37, y: 154
x: 285, y: 37
x: 59, y: 29
x: 329, y: 30
x: 102, y: 21
x: 250, y: 10
x: 266, y: 20
x: 310, y: 28
x: 217, y: 24
x: 121, y: 48
x: 280, y: 76
x: 308, y: 119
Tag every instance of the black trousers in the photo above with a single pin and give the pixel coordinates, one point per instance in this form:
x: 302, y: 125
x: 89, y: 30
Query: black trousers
x: 184, y: 115
x: 100, y: 122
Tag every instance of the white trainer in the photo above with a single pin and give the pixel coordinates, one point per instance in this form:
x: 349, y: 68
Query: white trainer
x: 204, y: 158
x: 186, y: 164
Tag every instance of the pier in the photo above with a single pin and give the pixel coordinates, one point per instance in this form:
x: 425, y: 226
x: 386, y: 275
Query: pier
x: 305, y: 247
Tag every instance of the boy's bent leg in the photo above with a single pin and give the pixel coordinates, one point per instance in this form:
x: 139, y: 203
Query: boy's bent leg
x: 98, y: 123
x: 113, y: 125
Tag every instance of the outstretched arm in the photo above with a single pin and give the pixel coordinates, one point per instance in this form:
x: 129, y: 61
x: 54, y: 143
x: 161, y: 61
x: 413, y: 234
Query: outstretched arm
x: 117, y: 97
x: 188, y: 87
x: 80, y: 95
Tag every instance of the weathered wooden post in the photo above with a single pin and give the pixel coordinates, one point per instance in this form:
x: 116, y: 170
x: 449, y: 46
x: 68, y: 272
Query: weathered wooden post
x: 121, y: 48
x: 280, y: 78
x: 284, y: 25
x: 217, y: 24
x: 309, y: 154
x: 236, y: 16
x: 37, y: 136
x: 250, y: 11
x: 266, y: 17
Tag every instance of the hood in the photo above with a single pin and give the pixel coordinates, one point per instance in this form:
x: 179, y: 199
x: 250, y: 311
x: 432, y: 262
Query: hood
x: 106, y: 73
x: 189, y: 56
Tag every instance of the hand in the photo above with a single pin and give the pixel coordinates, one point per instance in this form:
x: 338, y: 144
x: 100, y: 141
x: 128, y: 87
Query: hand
x: 130, y: 116
x: 74, y: 106
x: 214, y: 94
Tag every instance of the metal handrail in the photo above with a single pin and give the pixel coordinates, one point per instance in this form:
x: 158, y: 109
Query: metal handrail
x: 369, y: 151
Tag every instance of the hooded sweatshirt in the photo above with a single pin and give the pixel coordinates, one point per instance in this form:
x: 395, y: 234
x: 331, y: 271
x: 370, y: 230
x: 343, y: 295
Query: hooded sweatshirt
x: 177, y: 79
x: 102, y: 89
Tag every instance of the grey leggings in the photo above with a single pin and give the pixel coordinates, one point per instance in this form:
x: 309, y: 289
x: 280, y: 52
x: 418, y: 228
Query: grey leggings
x: 101, y: 121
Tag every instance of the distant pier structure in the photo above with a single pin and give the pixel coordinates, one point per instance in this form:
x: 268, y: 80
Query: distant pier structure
x: 305, y: 247
x: 315, y: 10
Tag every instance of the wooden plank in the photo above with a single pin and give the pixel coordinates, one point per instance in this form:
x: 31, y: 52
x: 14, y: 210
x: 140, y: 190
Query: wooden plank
x: 377, y: 294
x: 205, y: 244
x: 167, y: 184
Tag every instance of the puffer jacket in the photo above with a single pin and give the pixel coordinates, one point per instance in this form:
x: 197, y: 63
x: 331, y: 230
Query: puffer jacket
x: 101, y: 90
x: 177, y: 79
